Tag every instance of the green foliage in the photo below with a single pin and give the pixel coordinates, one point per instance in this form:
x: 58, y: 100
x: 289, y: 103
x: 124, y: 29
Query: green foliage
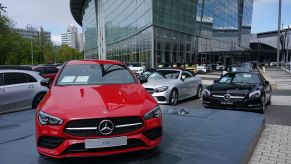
x: 16, y: 50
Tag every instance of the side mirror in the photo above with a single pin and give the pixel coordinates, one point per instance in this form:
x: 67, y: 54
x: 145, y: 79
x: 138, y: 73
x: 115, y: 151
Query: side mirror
x: 267, y: 82
x: 45, y: 82
x: 142, y: 79
x: 183, y: 77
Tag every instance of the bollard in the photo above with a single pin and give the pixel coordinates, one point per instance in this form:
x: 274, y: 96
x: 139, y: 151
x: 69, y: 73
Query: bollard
x: 264, y: 69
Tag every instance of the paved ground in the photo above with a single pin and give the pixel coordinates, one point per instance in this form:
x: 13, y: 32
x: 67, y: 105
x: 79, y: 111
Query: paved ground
x: 274, y: 147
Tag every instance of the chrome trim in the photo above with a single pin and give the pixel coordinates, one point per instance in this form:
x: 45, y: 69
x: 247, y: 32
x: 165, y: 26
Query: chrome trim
x: 231, y: 97
x: 127, y: 125
x: 84, y: 128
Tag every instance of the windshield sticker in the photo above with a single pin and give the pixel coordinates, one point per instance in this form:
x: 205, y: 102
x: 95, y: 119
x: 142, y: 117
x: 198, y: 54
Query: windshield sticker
x: 247, y: 75
x: 68, y: 79
x: 82, y: 79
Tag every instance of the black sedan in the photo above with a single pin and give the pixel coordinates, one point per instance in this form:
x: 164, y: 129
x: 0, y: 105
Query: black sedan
x: 239, y: 90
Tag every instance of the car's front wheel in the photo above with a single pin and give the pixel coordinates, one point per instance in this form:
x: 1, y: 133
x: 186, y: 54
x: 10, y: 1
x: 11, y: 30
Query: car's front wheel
x: 199, y: 92
x: 263, y: 105
x: 173, y: 97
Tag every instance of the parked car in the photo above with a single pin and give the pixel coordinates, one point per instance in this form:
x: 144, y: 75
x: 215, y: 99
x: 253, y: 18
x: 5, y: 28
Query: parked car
x: 208, y: 68
x: 46, y: 71
x: 168, y: 86
x: 273, y: 64
x: 20, y: 90
x: 15, y: 67
x: 137, y: 68
x: 240, y: 90
x: 236, y: 68
x: 96, y: 108
x: 148, y: 72
x: 191, y: 67
x: 220, y: 67
x: 201, y: 69
x: 178, y: 66
x: 164, y: 65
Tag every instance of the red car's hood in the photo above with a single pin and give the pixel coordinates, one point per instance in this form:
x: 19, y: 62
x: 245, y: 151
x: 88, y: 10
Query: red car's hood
x: 75, y: 102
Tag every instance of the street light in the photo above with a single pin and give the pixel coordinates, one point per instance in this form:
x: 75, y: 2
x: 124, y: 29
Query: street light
x: 31, y: 42
x: 279, y: 31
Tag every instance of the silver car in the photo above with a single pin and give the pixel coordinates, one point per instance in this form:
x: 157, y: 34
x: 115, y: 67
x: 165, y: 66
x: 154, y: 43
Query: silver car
x: 168, y: 86
x: 20, y: 90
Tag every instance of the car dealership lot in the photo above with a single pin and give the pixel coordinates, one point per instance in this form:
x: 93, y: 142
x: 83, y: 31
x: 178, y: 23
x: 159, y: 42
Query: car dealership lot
x: 192, y: 134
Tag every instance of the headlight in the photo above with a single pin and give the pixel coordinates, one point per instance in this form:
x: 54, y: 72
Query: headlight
x: 46, y: 119
x: 140, y: 70
x: 154, y: 113
x: 161, y: 89
x: 255, y: 94
x: 206, y: 92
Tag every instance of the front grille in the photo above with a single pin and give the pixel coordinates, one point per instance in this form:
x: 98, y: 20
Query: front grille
x: 150, y: 90
x: 131, y: 124
x: 80, y: 147
x: 50, y: 142
x: 153, y: 133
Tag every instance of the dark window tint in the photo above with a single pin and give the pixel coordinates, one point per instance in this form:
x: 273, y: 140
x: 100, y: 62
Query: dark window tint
x: 1, y: 79
x: 18, y: 78
x: 50, y: 70
x: 40, y: 70
x: 30, y: 79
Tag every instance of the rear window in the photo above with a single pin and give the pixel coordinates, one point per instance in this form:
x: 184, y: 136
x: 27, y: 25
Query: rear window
x: 94, y: 74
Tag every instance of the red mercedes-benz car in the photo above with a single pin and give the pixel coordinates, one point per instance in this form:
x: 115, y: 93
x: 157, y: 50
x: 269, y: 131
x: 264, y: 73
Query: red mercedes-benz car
x: 95, y: 108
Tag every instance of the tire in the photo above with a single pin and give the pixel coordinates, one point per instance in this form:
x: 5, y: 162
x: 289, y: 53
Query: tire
x: 263, y: 106
x: 173, y: 97
x: 199, y: 92
x: 270, y: 99
x: 37, y: 99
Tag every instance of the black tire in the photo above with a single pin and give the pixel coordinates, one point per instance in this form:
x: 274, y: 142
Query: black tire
x: 263, y: 106
x: 269, y: 101
x: 199, y: 92
x: 37, y: 99
x: 173, y: 97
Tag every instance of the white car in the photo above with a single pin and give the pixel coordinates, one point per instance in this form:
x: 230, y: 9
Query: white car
x: 20, y: 90
x: 220, y: 67
x: 201, y: 69
x: 137, y: 68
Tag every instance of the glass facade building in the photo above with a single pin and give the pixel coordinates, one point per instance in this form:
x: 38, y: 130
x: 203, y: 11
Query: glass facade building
x: 167, y: 31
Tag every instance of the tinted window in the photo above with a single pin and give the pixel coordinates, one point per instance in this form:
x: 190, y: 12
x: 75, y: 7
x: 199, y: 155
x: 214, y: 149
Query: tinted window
x: 30, y: 79
x: 50, y: 70
x: 40, y: 70
x: 2, y: 79
x: 93, y: 74
x: 165, y: 74
x: 15, y: 78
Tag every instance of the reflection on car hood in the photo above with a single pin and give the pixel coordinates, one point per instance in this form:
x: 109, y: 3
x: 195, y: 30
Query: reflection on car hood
x: 157, y: 82
x: 217, y: 87
x: 98, y: 101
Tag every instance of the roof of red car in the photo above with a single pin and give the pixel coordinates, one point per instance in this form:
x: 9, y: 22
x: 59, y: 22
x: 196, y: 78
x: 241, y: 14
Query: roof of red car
x: 73, y: 62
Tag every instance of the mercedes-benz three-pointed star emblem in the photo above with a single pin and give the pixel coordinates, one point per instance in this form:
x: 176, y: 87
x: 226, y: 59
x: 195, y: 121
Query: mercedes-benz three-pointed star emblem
x: 106, y: 127
x: 227, y: 97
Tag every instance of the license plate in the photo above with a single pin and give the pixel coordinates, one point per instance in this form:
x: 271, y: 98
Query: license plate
x: 226, y: 103
x: 105, y: 142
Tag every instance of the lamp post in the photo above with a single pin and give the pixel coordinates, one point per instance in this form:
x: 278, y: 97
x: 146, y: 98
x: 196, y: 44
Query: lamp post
x: 31, y: 41
x: 279, y: 31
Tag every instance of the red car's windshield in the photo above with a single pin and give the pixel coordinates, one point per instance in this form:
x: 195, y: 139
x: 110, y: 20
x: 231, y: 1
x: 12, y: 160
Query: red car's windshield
x: 94, y: 74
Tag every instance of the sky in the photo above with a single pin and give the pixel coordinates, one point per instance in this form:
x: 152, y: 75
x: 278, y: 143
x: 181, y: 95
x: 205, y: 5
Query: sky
x: 55, y: 15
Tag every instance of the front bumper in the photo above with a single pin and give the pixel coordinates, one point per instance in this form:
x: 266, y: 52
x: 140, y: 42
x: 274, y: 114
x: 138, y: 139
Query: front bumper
x: 161, y: 97
x: 147, y: 137
x: 244, y: 104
